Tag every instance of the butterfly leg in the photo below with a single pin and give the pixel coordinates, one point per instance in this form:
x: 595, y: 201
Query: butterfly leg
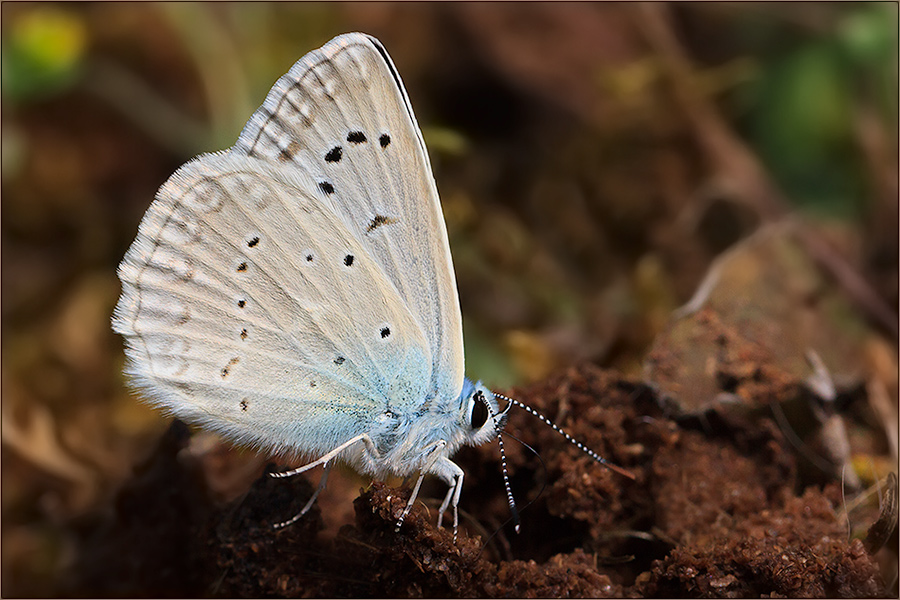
x: 445, y: 504
x: 435, y: 454
x: 325, y: 460
x: 370, y: 446
x: 450, y: 472
x: 325, y: 471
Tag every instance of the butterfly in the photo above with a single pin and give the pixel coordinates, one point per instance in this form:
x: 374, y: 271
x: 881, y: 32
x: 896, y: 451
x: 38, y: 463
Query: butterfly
x: 296, y: 292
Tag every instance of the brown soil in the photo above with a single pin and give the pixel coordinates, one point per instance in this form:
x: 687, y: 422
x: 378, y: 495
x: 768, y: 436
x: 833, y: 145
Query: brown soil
x: 711, y: 513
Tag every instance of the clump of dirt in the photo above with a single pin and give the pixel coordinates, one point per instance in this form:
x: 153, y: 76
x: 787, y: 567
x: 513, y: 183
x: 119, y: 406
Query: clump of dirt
x: 148, y: 543
x: 713, y: 511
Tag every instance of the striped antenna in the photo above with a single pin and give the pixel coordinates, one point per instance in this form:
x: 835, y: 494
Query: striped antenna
x: 499, y: 423
x: 573, y: 441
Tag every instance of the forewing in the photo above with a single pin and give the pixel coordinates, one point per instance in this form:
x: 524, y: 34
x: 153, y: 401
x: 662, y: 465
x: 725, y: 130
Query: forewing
x: 342, y: 113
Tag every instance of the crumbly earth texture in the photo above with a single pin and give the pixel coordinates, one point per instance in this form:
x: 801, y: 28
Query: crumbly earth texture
x: 715, y: 510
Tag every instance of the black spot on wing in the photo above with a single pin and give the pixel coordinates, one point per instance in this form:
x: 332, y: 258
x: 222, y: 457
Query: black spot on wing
x: 334, y: 155
x: 326, y: 187
x: 378, y: 221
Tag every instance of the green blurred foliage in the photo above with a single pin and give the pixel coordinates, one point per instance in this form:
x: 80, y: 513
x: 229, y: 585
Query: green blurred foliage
x: 493, y: 362
x: 800, y: 113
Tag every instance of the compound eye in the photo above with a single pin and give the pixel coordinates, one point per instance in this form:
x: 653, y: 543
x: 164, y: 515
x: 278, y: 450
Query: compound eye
x: 479, y: 411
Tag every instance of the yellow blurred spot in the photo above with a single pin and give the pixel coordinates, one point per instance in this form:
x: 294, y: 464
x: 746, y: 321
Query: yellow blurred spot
x: 51, y: 38
x: 653, y: 291
x: 631, y: 81
x: 459, y: 211
x: 444, y: 140
x: 871, y: 468
x: 530, y: 355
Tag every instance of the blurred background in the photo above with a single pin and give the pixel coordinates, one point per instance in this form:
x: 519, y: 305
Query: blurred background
x: 593, y: 161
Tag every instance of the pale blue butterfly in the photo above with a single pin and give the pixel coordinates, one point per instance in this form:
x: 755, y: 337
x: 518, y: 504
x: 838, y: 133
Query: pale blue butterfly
x: 296, y: 292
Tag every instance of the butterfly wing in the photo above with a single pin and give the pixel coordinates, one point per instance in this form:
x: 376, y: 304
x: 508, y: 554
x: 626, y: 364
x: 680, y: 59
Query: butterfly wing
x: 342, y: 113
x: 248, y: 306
